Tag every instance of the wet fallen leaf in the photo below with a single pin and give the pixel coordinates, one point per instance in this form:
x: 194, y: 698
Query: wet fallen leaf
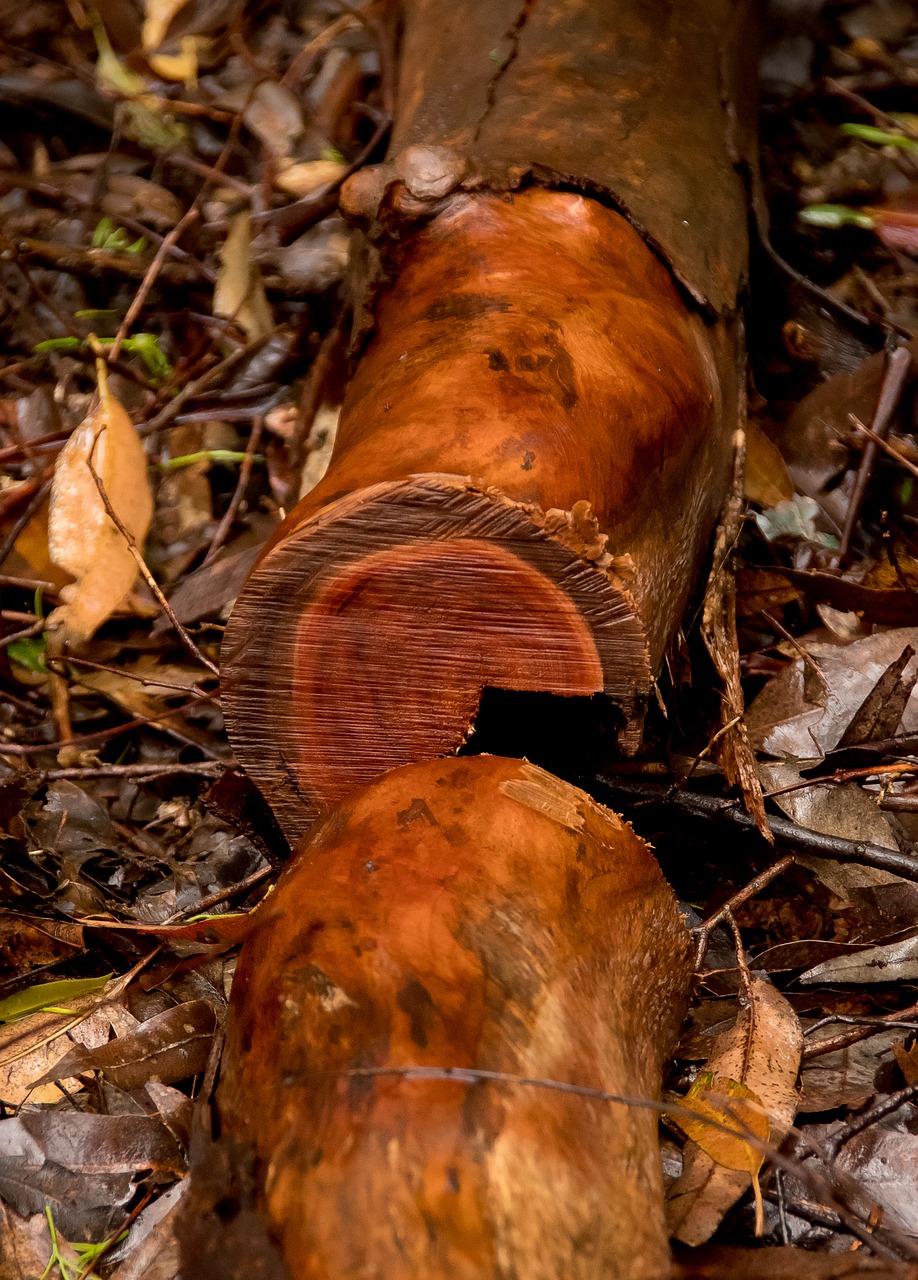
x: 82, y: 538
x: 762, y: 1053
x: 85, y: 1167
x: 172, y: 1046
x: 239, y: 293
x: 846, y: 1077
x: 895, y: 962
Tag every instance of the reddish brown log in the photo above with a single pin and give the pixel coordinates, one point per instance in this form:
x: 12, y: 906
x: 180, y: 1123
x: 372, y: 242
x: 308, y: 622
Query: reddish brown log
x: 535, y: 344
x: 534, y: 447
x: 464, y: 913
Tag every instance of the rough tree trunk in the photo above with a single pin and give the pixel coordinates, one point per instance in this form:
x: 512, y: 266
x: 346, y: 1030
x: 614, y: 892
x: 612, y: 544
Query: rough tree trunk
x: 461, y: 913
x: 535, y: 444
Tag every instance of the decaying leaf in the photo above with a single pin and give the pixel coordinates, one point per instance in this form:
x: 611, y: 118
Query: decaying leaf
x: 85, y: 1167
x: 895, y: 962
x: 158, y: 18
x: 172, y: 1046
x: 766, y: 481
x: 82, y: 537
x: 239, y: 293
x: 761, y: 1052
x: 805, y: 711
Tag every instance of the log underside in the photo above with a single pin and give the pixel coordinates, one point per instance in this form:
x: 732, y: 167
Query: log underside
x: 465, y: 913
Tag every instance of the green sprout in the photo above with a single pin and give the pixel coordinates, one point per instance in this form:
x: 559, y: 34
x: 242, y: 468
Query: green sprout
x: 835, y: 215
x: 108, y: 235
x: 145, y: 345
x: 226, y: 456
x: 881, y: 137
x: 87, y: 1254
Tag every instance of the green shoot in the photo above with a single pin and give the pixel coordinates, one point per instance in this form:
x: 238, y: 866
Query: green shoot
x: 881, y: 137
x: 226, y: 456
x: 835, y: 215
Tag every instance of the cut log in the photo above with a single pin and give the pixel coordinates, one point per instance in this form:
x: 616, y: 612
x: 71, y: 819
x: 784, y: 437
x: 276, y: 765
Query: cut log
x: 473, y: 914
x: 535, y: 445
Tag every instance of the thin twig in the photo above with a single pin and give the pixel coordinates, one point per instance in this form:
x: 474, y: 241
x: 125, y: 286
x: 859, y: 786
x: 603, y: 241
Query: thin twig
x: 761, y: 881
x: 894, y: 376
x: 892, y: 1102
x: 862, y: 1029
x: 785, y: 832
x: 144, y: 570
x: 204, y: 769
x: 883, y: 444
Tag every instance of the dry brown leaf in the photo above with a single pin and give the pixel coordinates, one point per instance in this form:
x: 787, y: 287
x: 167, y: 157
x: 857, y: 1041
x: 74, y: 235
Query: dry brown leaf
x: 766, y: 480
x: 300, y: 179
x: 239, y: 293
x: 762, y: 1052
x: 82, y: 538
x: 158, y: 16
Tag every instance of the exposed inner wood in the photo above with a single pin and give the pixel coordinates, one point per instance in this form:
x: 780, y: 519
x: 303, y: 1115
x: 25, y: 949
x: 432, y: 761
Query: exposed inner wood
x: 538, y: 384
x: 460, y: 913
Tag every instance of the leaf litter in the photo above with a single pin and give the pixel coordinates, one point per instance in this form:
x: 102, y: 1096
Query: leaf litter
x: 150, y: 323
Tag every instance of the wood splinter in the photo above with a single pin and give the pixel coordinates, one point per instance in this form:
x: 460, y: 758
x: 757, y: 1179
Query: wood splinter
x: 472, y: 913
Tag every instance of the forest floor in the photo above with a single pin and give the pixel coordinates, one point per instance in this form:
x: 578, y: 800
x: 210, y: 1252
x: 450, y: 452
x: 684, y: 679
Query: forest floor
x: 149, y: 284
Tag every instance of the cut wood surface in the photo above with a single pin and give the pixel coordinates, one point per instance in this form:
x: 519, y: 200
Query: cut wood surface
x: 536, y: 442
x: 474, y: 914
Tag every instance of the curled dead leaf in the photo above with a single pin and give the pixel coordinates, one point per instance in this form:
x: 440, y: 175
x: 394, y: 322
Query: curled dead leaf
x: 239, y: 293
x: 759, y: 1058
x: 82, y: 537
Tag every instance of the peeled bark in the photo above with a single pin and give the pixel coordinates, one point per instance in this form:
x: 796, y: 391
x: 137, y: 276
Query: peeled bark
x: 464, y: 913
x: 535, y: 445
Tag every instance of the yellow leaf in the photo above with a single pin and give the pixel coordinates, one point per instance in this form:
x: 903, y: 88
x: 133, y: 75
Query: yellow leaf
x: 767, y: 481
x: 158, y: 15
x: 753, y: 1068
x: 82, y: 538
x: 300, y: 179
x: 721, y: 1103
x: 239, y: 293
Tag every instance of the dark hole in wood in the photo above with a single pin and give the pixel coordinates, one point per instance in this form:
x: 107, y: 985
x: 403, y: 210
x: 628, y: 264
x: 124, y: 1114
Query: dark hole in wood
x: 568, y: 736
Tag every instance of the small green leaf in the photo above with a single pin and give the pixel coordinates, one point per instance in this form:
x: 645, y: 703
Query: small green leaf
x: 883, y: 137
x: 30, y: 653
x: 226, y: 456
x: 47, y: 994
x: 151, y: 353
x: 58, y: 344
x: 835, y: 215
x: 332, y: 153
